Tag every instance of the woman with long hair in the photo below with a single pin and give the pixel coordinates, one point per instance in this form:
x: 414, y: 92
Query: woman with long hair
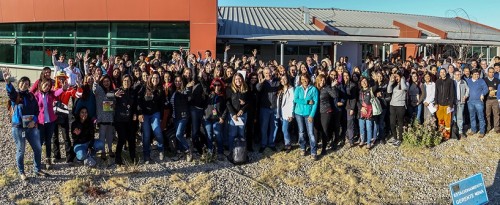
x: 102, y: 88
x: 82, y: 130
x: 285, y: 109
x: 306, y: 104
x: 214, y: 115
x: 350, y: 90
x: 324, y: 114
x: 44, y: 75
x: 397, y: 87
x: 237, y: 105
x: 380, y: 87
x: 415, y: 98
x: 252, y: 131
x: 180, y: 114
x: 45, y: 97
x: 150, y: 104
x: 365, y: 114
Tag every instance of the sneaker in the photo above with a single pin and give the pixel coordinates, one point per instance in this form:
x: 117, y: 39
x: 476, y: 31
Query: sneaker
x: 189, y: 156
x: 48, y: 164
x: 23, y: 177
x: 261, y: 150
x: 89, y: 162
x: 304, y: 153
x: 369, y: 146
x: 42, y: 174
x: 314, y: 157
x: 288, y: 149
x: 481, y: 135
x: 391, y: 140
x: 361, y: 144
x: 397, y: 143
x: 463, y: 136
x: 161, y: 156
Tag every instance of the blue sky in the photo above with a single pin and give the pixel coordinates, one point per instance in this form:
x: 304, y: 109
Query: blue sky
x: 483, y: 11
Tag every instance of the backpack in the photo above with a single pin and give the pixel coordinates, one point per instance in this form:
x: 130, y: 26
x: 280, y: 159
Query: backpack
x: 239, y: 154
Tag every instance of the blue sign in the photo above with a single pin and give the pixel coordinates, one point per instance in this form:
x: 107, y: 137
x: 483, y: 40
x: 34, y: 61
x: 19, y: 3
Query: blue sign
x: 469, y: 191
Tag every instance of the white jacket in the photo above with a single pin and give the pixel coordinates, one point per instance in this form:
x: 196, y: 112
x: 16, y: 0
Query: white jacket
x: 287, y: 104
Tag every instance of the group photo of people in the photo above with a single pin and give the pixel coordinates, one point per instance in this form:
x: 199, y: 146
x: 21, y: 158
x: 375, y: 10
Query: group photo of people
x: 186, y: 105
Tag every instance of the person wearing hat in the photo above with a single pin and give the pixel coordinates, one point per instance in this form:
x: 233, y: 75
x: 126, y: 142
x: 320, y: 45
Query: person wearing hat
x: 62, y: 122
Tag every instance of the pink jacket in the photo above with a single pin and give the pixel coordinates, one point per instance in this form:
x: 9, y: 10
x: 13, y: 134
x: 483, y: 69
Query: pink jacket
x: 51, y: 97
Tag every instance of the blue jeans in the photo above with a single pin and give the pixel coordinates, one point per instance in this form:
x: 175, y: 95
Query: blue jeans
x: 33, y: 137
x: 477, y: 109
x: 151, y: 122
x: 268, y: 126
x: 286, y: 133
x: 196, y: 119
x: 379, y: 125
x: 214, y: 129
x: 304, y: 125
x: 459, y: 117
x: 366, y: 130
x: 236, y: 131
x: 46, y: 133
x: 81, y: 150
x: 181, y: 124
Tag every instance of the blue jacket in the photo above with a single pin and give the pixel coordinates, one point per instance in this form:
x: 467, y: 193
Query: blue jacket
x: 26, y: 105
x: 477, y: 89
x: 301, y: 99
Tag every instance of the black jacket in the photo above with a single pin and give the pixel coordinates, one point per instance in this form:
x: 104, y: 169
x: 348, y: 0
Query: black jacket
x: 445, y: 92
x: 217, y: 103
x: 233, y: 101
x: 125, y: 106
x: 267, y: 93
x: 350, y: 95
x: 327, y: 97
x: 150, y: 105
x: 86, y: 131
x: 180, y: 104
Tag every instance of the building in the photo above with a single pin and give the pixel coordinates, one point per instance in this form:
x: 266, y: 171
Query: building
x: 30, y: 30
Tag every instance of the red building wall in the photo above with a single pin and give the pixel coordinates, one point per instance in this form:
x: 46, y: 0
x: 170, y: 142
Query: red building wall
x: 201, y: 14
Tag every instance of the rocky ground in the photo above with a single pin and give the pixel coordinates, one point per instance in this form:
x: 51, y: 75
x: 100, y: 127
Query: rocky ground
x: 383, y: 175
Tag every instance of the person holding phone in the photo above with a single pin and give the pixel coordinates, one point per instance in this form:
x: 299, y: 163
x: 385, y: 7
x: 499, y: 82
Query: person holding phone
x: 397, y: 88
x: 125, y: 110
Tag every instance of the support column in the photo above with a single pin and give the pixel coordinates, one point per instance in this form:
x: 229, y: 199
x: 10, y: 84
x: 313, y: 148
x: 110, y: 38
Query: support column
x: 390, y: 54
x: 321, y: 52
x: 425, y: 50
x: 461, y: 52
x: 282, y: 49
x: 335, y: 50
x: 488, y: 54
x: 383, y: 52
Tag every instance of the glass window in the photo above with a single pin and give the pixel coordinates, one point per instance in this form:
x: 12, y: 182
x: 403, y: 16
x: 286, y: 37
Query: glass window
x: 92, y: 30
x: 129, y: 30
x: 183, y: 44
x: 7, y: 52
x: 129, y: 43
x: 31, y: 29
x: 133, y: 53
x: 24, y: 41
x: 59, y: 29
x: 60, y: 41
x: 30, y: 55
x: 7, y: 30
x: 91, y: 43
x: 170, y: 30
x: 289, y: 50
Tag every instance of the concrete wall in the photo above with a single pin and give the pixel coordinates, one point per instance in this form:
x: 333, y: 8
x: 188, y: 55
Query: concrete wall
x: 19, y: 71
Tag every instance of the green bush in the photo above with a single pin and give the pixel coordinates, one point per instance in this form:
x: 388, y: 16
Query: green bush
x: 422, y: 135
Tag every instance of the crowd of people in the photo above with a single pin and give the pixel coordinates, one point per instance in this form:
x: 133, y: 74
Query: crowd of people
x: 192, y: 104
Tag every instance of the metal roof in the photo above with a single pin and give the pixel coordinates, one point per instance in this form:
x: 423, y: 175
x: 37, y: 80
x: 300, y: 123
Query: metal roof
x: 258, y: 21
x: 264, y: 20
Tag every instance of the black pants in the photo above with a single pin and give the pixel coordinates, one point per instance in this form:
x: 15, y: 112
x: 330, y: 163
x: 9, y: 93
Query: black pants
x: 335, y: 125
x: 63, y: 123
x: 323, y: 128
x: 125, y: 134
x: 397, y: 121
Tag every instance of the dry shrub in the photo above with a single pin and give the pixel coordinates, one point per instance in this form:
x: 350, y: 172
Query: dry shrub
x: 283, y: 168
x: 8, y: 176
x: 197, y: 190
x: 25, y: 202
x: 422, y: 135
x: 72, y: 189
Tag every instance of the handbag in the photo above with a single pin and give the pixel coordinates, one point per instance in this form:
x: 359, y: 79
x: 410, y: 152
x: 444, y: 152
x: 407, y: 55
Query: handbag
x: 376, y: 107
x: 369, y: 109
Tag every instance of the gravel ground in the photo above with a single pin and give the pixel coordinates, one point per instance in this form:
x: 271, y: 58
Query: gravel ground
x: 383, y: 175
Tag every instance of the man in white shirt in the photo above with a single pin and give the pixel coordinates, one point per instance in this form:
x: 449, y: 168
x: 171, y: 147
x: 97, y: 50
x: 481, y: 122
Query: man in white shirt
x: 60, y: 64
x: 74, y: 74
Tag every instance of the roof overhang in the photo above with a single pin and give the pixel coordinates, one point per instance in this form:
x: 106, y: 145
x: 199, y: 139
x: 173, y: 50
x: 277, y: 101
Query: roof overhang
x: 360, y: 39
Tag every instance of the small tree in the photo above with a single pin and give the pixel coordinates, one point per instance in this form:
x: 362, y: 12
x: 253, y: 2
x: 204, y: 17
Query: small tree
x: 422, y: 135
